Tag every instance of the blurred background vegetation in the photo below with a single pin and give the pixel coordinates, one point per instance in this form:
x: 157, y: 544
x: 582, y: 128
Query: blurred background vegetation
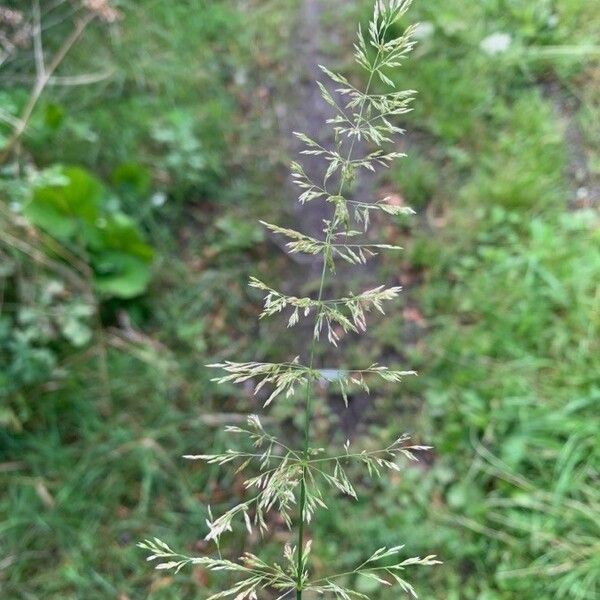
x: 140, y: 142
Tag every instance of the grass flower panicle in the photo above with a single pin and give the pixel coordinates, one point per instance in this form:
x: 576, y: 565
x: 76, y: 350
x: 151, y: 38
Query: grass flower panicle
x: 295, y: 482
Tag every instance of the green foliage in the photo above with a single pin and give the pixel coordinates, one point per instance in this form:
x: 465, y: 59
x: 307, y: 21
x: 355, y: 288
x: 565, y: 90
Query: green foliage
x: 76, y: 209
x: 524, y: 165
x: 509, y: 298
x: 71, y: 512
x: 23, y: 364
x: 472, y: 56
x: 132, y: 179
x: 151, y: 106
x: 505, y: 320
x: 237, y: 234
x: 46, y: 313
x: 530, y: 390
x: 416, y: 178
x: 120, y: 257
x: 68, y: 207
x: 187, y: 163
x: 48, y: 506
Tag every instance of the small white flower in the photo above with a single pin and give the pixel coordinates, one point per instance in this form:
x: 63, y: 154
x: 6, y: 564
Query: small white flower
x: 158, y: 199
x: 496, y: 43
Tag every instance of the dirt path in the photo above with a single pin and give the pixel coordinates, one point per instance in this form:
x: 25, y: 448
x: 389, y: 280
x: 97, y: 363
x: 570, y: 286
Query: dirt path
x: 307, y: 112
x: 310, y: 112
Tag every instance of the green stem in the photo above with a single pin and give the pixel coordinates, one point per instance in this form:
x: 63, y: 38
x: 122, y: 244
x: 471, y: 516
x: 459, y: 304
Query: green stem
x: 309, y: 387
x: 307, y: 419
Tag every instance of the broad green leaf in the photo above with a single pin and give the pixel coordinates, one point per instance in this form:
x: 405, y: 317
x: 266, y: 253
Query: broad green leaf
x: 121, y: 258
x: 120, y: 274
x: 64, y: 209
x: 119, y: 232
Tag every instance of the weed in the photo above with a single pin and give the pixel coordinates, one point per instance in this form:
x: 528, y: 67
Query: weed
x: 294, y: 481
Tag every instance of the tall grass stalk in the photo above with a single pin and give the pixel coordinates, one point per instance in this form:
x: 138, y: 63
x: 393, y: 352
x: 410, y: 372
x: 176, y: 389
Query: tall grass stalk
x: 291, y: 481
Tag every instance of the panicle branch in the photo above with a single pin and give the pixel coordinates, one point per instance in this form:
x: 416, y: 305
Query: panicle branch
x: 348, y: 312
x: 275, y: 486
x: 332, y: 247
x: 286, y: 377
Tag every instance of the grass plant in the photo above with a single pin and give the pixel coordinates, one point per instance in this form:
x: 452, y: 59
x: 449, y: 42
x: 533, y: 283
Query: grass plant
x: 296, y: 482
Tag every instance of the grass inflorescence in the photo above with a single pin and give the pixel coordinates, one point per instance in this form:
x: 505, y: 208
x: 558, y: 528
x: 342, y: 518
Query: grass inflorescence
x: 297, y: 482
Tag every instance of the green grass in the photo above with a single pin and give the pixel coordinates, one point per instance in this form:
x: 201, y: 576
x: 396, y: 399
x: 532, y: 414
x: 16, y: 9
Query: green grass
x: 511, y: 389
x: 82, y: 492
x: 509, y: 295
x: 88, y: 477
x: 508, y: 392
x: 178, y: 98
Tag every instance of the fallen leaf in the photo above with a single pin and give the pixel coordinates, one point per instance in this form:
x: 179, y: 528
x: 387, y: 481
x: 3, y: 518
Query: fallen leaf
x: 200, y: 577
x: 159, y: 584
x: 414, y: 315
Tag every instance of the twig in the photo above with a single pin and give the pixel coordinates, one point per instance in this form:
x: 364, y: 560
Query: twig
x: 41, y: 82
x: 63, y: 81
x: 38, y: 48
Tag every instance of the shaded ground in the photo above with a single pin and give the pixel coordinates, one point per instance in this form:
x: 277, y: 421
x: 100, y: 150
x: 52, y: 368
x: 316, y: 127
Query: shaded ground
x: 317, y: 43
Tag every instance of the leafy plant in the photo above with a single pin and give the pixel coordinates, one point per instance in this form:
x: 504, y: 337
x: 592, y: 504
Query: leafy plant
x: 45, y: 307
x: 187, y: 163
x: 295, y: 482
x: 47, y: 302
x: 74, y: 208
